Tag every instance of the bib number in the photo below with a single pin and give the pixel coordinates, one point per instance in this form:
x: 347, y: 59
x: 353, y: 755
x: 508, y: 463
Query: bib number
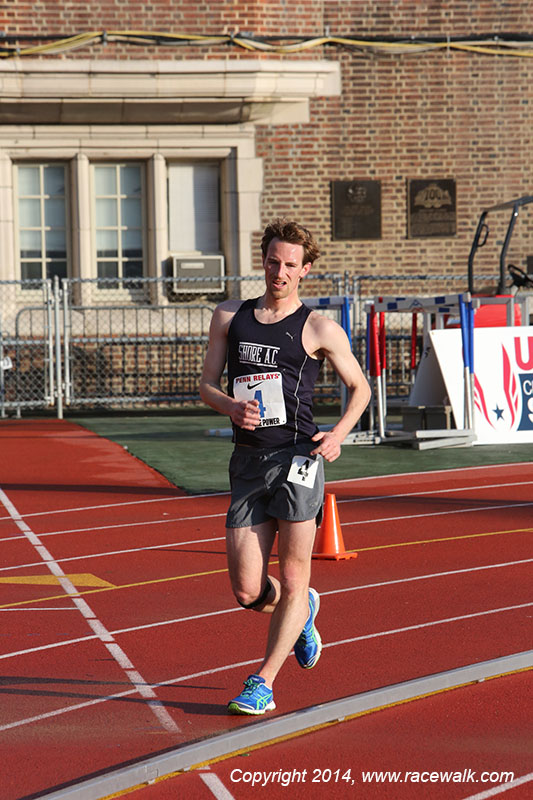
x: 267, y: 389
x: 303, y: 471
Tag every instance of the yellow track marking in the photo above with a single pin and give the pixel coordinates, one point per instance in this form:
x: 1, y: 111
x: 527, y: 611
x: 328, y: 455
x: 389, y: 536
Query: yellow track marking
x: 435, y: 541
x: 79, y: 579
x: 122, y: 586
x: 220, y: 571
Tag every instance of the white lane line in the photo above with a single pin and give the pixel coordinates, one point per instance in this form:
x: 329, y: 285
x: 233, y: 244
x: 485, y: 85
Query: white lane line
x: 228, y: 667
x: 452, y: 471
x: 464, y: 510
x: 118, y: 552
x: 503, y: 787
x: 165, y: 545
x: 428, y: 576
x: 192, y: 618
x: 146, y: 501
x: 148, y: 626
x: 365, y: 499
x: 119, y: 695
x: 128, y: 525
x: 431, y: 492
x: 215, y: 785
x: 95, y: 624
x: 446, y: 513
x: 431, y: 624
x: 128, y: 551
x: 192, y: 497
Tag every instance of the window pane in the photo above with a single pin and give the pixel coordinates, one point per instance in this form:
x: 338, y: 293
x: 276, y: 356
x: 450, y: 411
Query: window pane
x: 107, y: 244
x: 54, y: 180
x: 107, y: 269
x: 130, y: 180
x: 54, y: 213
x: 30, y: 244
x: 119, y: 220
x: 133, y: 269
x: 132, y: 244
x: 28, y: 178
x: 131, y: 213
x: 106, y: 213
x: 30, y: 213
x: 55, y: 244
x: 194, y: 207
x: 58, y: 268
x: 105, y: 180
x: 42, y: 219
x: 30, y: 271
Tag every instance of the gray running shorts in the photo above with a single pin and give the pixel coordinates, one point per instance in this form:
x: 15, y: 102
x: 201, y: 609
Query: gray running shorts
x: 260, y: 489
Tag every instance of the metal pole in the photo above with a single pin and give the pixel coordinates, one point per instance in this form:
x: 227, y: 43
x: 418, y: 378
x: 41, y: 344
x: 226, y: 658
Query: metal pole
x: 57, y: 333
x: 66, y: 339
x: 465, y: 330
x: 49, y: 340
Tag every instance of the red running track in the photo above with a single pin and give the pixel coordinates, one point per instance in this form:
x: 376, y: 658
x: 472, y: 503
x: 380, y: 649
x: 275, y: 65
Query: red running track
x: 120, y: 639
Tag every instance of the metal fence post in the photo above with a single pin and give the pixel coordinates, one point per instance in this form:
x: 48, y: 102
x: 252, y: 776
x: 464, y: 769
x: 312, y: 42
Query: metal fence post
x: 57, y: 350
x: 66, y: 339
x: 2, y: 383
x: 49, y: 338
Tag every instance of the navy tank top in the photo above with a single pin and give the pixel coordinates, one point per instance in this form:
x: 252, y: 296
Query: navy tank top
x: 268, y: 363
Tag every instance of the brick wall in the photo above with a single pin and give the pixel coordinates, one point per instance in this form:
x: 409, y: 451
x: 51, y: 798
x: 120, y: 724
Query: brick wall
x: 439, y: 114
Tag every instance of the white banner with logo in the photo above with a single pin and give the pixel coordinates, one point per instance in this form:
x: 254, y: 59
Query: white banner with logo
x: 503, y: 381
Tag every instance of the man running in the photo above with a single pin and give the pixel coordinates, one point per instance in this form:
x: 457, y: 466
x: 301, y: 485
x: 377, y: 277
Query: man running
x: 274, y: 346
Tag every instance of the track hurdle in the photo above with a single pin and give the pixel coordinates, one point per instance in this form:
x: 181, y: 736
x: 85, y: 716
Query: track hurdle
x: 343, y: 305
x: 434, y: 311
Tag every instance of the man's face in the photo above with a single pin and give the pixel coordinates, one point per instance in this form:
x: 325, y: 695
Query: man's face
x: 284, y: 268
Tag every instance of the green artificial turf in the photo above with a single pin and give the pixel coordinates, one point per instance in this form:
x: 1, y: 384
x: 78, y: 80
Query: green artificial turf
x: 177, y: 446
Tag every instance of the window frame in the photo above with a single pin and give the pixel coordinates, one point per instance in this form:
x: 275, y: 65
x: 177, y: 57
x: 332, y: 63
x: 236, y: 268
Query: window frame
x: 118, y: 285
x: 42, y: 164
x: 213, y: 162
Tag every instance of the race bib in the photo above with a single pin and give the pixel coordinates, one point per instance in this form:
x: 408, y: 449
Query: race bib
x: 266, y: 388
x: 303, y: 471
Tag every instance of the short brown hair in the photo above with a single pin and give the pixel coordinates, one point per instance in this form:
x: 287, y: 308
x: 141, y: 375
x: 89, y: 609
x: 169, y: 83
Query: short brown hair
x: 287, y: 230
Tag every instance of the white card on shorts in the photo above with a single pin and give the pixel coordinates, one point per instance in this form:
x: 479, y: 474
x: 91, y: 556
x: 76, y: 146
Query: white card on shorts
x: 303, y: 470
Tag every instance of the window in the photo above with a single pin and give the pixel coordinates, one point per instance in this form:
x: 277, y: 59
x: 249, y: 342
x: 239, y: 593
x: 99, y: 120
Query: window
x: 42, y: 221
x: 194, y: 208
x: 119, y: 222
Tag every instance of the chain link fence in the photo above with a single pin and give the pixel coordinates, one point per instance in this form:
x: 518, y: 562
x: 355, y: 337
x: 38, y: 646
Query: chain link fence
x: 107, y: 343
x: 133, y: 343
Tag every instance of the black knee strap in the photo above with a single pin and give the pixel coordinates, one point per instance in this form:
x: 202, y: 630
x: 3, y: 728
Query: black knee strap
x: 261, y: 599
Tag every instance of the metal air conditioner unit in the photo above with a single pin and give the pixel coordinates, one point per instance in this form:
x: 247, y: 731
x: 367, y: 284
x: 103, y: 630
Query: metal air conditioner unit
x: 197, y: 274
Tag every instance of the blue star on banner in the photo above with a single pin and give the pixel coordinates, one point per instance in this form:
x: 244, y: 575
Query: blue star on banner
x: 499, y: 412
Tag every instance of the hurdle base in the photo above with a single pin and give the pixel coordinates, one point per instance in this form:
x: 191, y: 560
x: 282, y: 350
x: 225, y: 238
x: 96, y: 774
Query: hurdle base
x: 427, y: 439
x: 430, y: 444
x: 362, y: 437
x: 445, y: 433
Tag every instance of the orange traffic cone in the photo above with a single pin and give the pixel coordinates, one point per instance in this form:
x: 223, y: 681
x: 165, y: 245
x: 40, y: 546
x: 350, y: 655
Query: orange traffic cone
x: 329, y: 542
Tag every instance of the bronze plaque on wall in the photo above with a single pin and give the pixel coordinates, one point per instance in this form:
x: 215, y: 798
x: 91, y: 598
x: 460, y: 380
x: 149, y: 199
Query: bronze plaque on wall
x: 356, y: 209
x: 431, y: 208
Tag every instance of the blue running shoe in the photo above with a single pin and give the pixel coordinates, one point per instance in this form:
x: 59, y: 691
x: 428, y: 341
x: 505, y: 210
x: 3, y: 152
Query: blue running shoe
x: 256, y: 698
x: 309, y: 644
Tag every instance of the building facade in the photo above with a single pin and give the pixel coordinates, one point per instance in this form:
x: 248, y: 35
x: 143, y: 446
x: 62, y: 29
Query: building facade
x: 140, y: 137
